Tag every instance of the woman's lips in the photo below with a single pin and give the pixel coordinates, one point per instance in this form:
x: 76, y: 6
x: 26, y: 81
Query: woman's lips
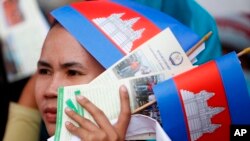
x: 50, y: 115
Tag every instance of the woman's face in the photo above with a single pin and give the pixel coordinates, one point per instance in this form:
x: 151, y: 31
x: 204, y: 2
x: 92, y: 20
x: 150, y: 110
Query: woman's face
x: 63, y: 62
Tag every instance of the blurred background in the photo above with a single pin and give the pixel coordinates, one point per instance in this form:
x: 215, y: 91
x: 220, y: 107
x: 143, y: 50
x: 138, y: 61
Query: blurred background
x: 233, y: 23
x: 23, y: 27
x: 25, y: 23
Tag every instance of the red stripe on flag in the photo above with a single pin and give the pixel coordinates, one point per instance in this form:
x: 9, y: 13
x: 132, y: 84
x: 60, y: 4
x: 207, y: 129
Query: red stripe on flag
x: 106, y: 8
x: 207, y: 77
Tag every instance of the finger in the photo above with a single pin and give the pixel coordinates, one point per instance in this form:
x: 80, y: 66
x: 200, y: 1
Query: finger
x: 77, y: 131
x: 125, y: 114
x: 98, y: 115
x: 83, y: 122
x: 85, y: 135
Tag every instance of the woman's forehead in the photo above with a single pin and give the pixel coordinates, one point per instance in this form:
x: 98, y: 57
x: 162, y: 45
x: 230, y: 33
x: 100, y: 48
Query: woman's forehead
x: 58, y: 36
x: 60, y: 43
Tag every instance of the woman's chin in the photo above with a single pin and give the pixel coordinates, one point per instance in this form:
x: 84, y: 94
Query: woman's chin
x: 51, y: 127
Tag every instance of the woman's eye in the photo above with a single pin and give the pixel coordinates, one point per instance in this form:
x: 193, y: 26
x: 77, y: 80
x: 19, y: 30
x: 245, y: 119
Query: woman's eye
x: 44, y: 71
x: 73, y: 73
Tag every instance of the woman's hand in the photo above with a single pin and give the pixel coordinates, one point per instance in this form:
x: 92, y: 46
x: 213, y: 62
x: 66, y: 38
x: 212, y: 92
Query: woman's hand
x: 104, y: 130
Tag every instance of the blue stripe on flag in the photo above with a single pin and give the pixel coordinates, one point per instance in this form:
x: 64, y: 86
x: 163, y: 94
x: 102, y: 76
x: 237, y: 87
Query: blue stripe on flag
x: 186, y: 37
x: 235, y: 88
x: 97, y: 44
x: 171, y: 110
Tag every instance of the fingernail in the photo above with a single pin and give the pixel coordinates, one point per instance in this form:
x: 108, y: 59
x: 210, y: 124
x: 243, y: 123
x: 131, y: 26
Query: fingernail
x: 68, y: 123
x: 67, y: 109
x: 123, y: 88
x: 80, y: 97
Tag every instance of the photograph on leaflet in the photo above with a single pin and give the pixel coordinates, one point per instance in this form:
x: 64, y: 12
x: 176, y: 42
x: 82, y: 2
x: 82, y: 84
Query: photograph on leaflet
x: 12, y: 12
x: 134, y: 65
x: 142, y: 90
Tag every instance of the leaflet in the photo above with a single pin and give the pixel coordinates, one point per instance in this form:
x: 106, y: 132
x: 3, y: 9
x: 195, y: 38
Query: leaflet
x: 160, y: 53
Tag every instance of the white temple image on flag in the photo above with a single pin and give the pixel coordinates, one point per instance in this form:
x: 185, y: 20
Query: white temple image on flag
x: 120, y: 31
x: 199, y: 113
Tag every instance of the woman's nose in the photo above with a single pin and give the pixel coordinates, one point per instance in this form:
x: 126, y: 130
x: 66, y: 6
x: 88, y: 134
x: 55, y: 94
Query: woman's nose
x: 53, y: 86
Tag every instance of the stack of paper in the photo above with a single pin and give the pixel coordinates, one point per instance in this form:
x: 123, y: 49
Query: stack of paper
x: 158, y: 59
x: 147, y: 47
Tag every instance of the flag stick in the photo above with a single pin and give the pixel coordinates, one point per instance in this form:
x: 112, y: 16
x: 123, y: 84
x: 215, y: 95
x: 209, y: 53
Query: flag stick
x: 202, y: 40
x: 244, y: 51
x: 189, y: 52
x: 144, y: 107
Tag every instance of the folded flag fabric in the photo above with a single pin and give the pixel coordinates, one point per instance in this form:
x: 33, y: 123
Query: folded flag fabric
x: 202, y: 103
x: 110, y: 29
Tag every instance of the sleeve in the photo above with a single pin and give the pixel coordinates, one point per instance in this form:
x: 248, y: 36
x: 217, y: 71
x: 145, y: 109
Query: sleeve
x: 23, y: 124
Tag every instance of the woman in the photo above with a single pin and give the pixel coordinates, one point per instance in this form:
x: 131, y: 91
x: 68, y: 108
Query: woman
x: 65, y: 62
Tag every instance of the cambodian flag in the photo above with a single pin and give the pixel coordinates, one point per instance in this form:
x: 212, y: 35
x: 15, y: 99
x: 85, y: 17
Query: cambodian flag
x: 202, y: 103
x: 110, y: 29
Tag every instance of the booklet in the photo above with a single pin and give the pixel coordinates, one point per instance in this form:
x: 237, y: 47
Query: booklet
x: 140, y: 127
x: 158, y: 59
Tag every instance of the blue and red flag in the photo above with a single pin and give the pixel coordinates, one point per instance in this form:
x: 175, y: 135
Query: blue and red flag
x: 110, y: 29
x: 202, y: 103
